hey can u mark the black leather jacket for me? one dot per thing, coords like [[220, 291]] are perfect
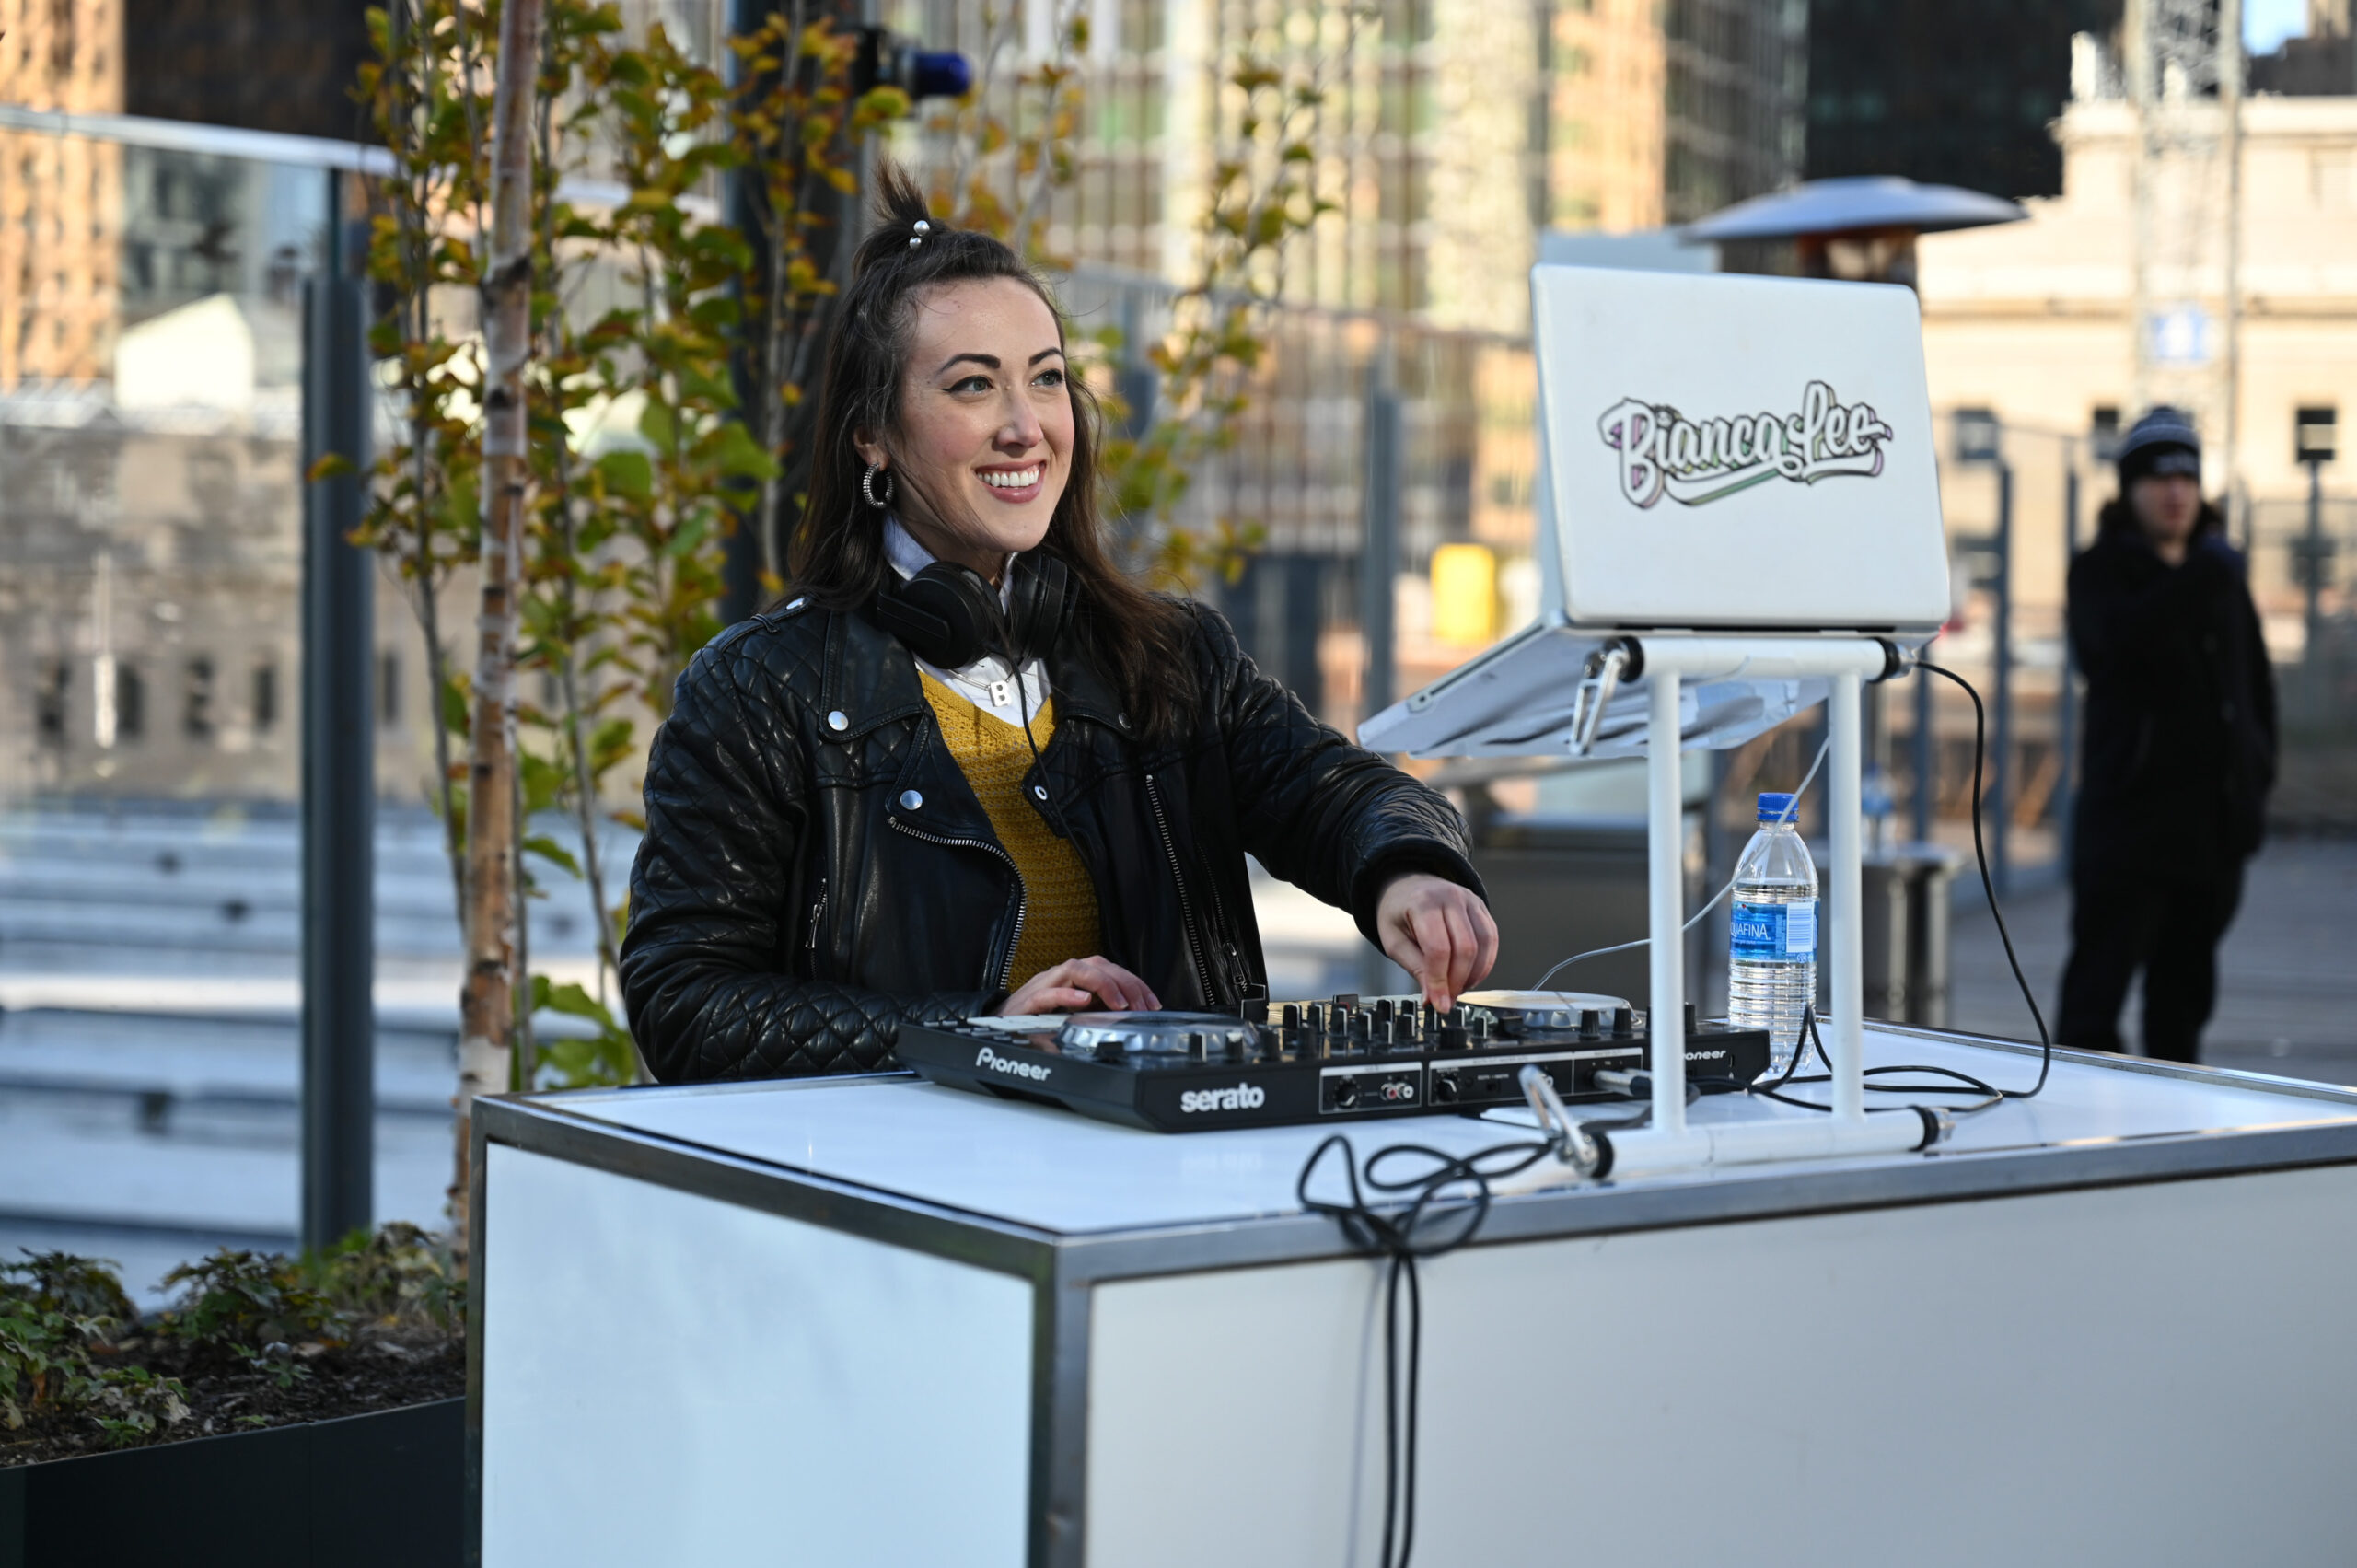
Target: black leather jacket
[[816, 869]]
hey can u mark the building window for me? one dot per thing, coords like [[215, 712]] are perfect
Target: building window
[[265, 694], [196, 700], [129, 702], [2315, 435], [49, 702], [1979, 436], [389, 687], [2103, 431]]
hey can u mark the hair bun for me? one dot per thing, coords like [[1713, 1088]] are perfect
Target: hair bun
[[903, 224]]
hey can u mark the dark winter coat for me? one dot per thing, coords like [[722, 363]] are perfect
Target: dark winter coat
[[2181, 717], [816, 869]]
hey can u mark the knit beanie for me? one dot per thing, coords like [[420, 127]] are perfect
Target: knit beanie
[[2163, 442]]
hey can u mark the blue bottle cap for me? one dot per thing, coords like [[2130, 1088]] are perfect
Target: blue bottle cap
[[1774, 804]]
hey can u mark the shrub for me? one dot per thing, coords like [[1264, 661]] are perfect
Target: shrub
[[59, 1316]]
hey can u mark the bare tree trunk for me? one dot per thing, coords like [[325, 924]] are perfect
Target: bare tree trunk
[[487, 1002]]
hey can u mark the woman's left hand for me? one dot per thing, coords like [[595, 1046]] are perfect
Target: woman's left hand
[[1438, 931]]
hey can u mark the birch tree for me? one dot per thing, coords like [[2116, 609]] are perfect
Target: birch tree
[[487, 998]]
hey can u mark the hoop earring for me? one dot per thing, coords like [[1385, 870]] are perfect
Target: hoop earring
[[867, 486]]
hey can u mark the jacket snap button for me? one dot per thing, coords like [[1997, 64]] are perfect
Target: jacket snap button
[[911, 800], [836, 720], [1039, 792]]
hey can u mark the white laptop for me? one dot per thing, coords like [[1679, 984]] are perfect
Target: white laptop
[[1719, 453], [1738, 452]]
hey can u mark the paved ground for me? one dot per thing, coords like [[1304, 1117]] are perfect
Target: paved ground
[[2288, 973]]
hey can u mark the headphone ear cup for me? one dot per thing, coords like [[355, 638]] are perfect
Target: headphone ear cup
[[1039, 603], [945, 614]]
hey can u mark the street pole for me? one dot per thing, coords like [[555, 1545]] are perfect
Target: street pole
[[1378, 569], [743, 551], [2230, 105], [2066, 698], [2312, 590], [2142, 89], [1927, 783], [339, 762], [1997, 803], [1379, 561]]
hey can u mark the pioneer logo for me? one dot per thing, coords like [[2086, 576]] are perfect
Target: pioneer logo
[[1695, 460], [990, 1058], [1244, 1096]]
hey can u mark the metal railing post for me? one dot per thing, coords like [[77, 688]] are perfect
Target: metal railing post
[[1926, 761], [2312, 590], [1380, 558], [1997, 803], [339, 757]]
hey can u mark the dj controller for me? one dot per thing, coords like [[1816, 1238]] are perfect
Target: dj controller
[[1347, 1059]]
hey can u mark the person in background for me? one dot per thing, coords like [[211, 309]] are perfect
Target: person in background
[[2179, 752]]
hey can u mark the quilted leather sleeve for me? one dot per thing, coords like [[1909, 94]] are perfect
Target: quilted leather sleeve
[[708, 896], [1329, 817]]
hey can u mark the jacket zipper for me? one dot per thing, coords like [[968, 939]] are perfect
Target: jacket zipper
[[1185, 909], [1231, 956], [810, 942], [1022, 897]]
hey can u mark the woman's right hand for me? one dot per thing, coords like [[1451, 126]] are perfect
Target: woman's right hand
[[1078, 985]]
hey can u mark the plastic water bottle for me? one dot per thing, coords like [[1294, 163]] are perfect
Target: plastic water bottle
[[1771, 959]]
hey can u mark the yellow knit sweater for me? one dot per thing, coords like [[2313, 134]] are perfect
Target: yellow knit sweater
[[1059, 902]]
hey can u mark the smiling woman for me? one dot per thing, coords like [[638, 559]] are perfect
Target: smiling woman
[[968, 766]]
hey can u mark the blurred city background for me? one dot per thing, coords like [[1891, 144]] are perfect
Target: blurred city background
[[172, 171]]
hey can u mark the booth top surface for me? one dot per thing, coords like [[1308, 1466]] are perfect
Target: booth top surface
[[1060, 1173]]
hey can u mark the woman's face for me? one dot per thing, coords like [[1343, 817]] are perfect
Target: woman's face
[[986, 423]]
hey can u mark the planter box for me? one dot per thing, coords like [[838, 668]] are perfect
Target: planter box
[[364, 1490]]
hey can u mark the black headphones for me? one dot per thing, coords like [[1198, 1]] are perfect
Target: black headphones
[[948, 616]]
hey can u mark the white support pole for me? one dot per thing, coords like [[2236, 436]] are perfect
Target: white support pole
[[1666, 864], [1669, 1142], [1843, 942]]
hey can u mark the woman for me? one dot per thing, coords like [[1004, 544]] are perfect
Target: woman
[[968, 767], [2180, 748]]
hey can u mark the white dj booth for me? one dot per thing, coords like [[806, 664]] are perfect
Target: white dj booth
[[852, 1323], [873, 1320]]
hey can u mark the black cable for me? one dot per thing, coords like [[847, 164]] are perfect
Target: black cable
[[1981, 853], [1402, 1238], [1811, 1036]]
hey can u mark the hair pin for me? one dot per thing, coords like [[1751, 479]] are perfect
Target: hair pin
[[922, 228]]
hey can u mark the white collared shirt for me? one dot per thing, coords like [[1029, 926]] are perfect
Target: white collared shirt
[[989, 683]]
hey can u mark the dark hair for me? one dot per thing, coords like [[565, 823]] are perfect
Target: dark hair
[[1139, 639]]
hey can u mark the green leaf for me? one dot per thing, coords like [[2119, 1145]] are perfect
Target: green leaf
[[690, 534], [628, 473], [573, 1002], [543, 782], [656, 423], [714, 388], [548, 849], [740, 456], [610, 743], [456, 717]]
